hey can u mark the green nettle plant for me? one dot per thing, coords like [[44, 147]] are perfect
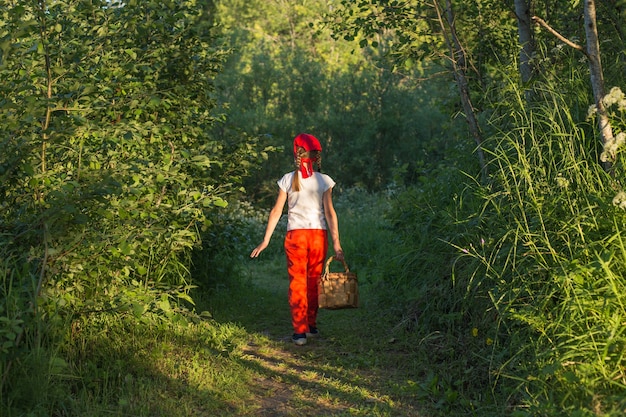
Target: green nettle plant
[[107, 172]]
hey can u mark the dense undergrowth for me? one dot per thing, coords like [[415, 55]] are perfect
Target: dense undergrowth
[[504, 297], [523, 277]]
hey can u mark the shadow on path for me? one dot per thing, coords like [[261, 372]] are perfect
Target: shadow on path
[[342, 372]]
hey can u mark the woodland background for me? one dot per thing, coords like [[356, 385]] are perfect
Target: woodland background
[[141, 142]]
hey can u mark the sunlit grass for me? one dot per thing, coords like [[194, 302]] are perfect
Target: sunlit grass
[[241, 361], [552, 264], [146, 369], [421, 343]]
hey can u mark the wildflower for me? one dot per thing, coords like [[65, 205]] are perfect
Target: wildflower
[[620, 139], [612, 146], [615, 96], [620, 200], [561, 181], [557, 49], [475, 332], [489, 341]]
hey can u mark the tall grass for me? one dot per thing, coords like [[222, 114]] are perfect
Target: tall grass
[[444, 317], [112, 363], [116, 361], [29, 372], [555, 261], [521, 282]]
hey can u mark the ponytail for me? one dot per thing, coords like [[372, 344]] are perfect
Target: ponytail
[[301, 153], [295, 183]]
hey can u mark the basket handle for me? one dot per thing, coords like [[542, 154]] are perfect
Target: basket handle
[[330, 259]]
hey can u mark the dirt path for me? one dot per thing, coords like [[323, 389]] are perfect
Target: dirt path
[[312, 381], [353, 368]]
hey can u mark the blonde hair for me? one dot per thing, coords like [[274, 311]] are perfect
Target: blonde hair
[[301, 153]]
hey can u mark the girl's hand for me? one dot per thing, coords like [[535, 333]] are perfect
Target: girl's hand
[[256, 251], [339, 255]]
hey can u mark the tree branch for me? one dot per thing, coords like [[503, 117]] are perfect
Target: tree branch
[[560, 37]]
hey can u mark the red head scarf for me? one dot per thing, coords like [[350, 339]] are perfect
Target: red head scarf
[[309, 143]]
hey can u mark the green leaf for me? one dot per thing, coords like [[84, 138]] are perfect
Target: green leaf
[[164, 304], [125, 248], [57, 365], [131, 53], [220, 202], [138, 309], [201, 160], [186, 297]]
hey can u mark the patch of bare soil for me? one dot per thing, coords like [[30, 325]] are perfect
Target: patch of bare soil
[[285, 385], [303, 381]]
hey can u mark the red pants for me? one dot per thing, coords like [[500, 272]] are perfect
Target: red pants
[[306, 252]]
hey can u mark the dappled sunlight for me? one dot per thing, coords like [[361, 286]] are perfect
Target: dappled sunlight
[[307, 379], [141, 147], [210, 368], [338, 372]]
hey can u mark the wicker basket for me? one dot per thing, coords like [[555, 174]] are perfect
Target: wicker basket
[[338, 290]]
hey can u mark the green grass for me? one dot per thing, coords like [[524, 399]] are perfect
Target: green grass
[[340, 373], [359, 365], [474, 302], [238, 363]]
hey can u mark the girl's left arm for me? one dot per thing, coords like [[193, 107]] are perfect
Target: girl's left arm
[[274, 217], [333, 223]]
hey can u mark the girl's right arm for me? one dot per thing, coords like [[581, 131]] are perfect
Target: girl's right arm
[[272, 221], [333, 224]]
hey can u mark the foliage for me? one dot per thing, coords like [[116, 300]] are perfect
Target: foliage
[[118, 163], [412, 33], [288, 75], [226, 246], [108, 172], [447, 280], [108, 166], [555, 267], [530, 265]]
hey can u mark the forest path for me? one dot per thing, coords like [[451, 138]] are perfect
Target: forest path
[[352, 368]]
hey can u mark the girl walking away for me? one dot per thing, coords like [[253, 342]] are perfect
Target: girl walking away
[[310, 217]]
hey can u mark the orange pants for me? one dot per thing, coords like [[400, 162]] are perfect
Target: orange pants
[[306, 252]]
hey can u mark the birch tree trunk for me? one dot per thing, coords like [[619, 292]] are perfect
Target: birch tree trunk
[[595, 69], [526, 41], [592, 52]]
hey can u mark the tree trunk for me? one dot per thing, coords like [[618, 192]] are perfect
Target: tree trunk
[[595, 69], [458, 59], [526, 41], [592, 51]]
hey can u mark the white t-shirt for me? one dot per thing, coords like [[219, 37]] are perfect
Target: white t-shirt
[[306, 207]]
